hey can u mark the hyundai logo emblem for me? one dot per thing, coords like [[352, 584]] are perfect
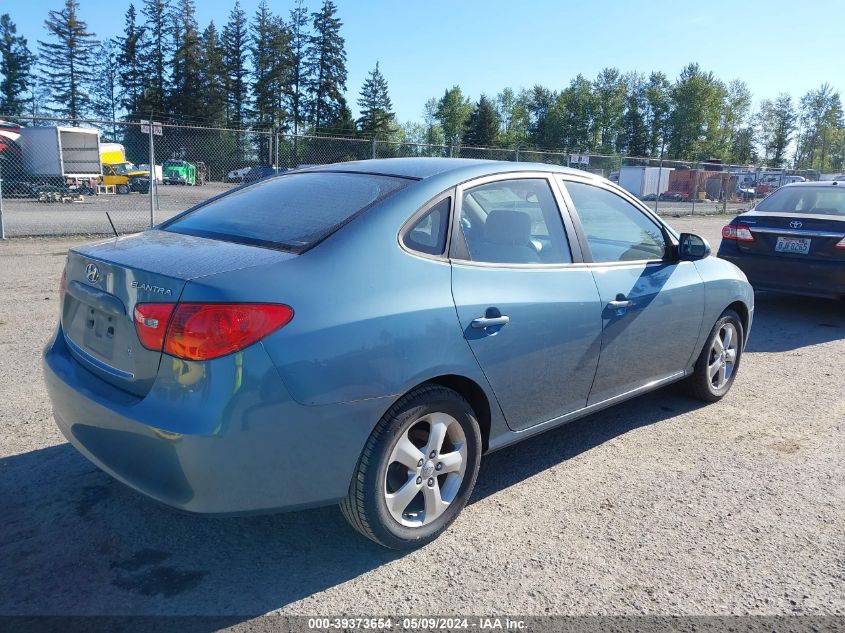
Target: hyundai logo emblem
[[796, 224], [92, 273]]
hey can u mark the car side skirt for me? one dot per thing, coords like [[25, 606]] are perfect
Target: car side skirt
[[506, 439]]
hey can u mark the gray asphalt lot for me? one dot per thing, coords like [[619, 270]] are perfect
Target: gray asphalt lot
[[661, 505]]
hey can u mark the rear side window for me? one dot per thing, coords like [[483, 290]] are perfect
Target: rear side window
[[514, 222], [824, 200], [428, 234], [290, 212]]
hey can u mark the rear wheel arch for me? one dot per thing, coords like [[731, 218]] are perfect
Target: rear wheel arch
[[472, 392]]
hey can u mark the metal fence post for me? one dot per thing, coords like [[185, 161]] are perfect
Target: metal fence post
[[2, 219], [374, 147], [152, 175], [276, 136], [694, 193], [451, 150], [516, 158]]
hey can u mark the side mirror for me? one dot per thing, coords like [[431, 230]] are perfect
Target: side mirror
[[692, 247]]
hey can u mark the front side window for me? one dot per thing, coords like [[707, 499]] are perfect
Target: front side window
[[513, 222], [616, 230], [428, 234], [290, 212]]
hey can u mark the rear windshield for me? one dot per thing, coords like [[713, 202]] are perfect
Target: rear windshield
[[289, 212], [824, 200]]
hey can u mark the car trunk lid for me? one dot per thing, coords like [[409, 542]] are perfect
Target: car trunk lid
[[105, 281], [802, 236]]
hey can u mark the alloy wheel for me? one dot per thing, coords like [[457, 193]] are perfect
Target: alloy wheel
[[425, 469], [723, 355]]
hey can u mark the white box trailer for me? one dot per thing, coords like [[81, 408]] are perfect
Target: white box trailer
[[61, 152], [644, 181]]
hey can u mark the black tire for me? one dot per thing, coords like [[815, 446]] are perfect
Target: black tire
[[123, 189], [699, 385], [365, 507]]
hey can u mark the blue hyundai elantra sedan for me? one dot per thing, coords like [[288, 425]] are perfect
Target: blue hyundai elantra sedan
[[362, 333]]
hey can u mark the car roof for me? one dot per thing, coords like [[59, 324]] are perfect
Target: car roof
[[816, 183], [422, 168]]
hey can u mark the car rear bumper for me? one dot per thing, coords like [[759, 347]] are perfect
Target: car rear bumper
[[228, 439], [816, 278]]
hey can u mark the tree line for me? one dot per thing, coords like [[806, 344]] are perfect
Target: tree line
[[288, 72]]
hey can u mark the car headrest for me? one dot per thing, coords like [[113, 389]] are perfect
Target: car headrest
[[504, 226]]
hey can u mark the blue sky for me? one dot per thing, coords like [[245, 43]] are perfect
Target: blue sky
[[425, 47]]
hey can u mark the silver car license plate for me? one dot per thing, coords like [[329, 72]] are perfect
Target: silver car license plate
[[799, 245]]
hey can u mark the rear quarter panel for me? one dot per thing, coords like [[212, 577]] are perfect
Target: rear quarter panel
[[370, 319]]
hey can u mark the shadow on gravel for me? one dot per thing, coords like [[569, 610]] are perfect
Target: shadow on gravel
[[787, 322], [516, 463], [74, 542]]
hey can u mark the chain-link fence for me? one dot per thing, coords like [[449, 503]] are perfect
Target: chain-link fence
[[57, 178]]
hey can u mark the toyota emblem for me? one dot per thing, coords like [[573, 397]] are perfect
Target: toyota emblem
[[92, 273], [796, 224]]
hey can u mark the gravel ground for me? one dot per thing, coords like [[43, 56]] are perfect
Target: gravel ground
[[660, 506], [131, 212]]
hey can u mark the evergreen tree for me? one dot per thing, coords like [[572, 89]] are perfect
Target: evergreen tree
[[299, 85], [132, 52], [105, 84], [213, 77], [345, 124], [235, 50], [270, 55], [633, 139], [453, 112], [187, 87], [326, 65], [539, 101], [37, 97], [159, 31], [483, 126], [376, 109], [66, 62], [15, 65]]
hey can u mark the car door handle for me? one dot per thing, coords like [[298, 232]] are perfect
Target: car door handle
[[484, 322], [620, 302]]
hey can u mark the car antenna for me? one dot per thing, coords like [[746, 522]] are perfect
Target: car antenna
[[112, 224]]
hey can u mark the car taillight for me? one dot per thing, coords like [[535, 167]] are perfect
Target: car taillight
[[740, 232], [841, 244], [151, 321], [202, 331]]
